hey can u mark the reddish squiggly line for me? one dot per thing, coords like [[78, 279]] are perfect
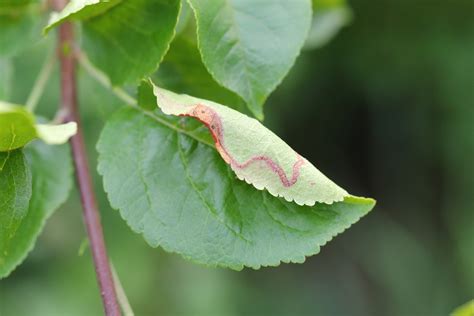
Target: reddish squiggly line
[[213, 122]]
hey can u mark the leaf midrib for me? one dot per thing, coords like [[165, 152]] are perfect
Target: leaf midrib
[[242, 52], [207, 205], [174, 127]]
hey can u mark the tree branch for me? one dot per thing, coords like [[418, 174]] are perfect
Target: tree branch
[[69, 107]]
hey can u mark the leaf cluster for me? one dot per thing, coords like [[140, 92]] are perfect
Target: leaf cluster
[[193, 176]]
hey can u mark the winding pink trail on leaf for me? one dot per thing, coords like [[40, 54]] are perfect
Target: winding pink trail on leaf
[[213, 122]]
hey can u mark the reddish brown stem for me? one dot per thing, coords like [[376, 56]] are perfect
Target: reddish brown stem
[[69, 107]]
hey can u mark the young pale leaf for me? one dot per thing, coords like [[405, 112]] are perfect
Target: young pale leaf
[[254, 153], [125, 39], [15, 194], [176, 191], [56, 134], [249, 46], [17, 128], [51, 169]]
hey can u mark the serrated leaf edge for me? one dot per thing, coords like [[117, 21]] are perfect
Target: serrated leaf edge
[[258, 114], [238, 267]]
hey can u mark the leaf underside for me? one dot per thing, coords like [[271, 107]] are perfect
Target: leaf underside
[[179, 194], [79, 9], [254, 153]]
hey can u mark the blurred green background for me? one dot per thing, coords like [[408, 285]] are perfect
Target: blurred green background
[[385, 109]]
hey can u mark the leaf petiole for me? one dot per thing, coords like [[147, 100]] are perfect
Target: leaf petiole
[[41, 80], [102, 78], [124, 96], [121, 296]]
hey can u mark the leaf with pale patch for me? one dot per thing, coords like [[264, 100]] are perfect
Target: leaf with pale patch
[[18, 127], [254, 153], [171, 186]]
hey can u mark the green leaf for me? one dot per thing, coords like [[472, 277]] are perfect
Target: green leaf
[[464, 310], [329, 17], [249, 46], [18, 127], [51, 169], [145, 96], [79, 10], [125, 39], [129, 51], [178, 193], [15, 194], [19, 24], [254, 153], [183, 71]]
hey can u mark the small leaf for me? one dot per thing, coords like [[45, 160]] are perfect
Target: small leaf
[[329, 17], [51, 169], [56, 134], [17, 128], [249, 46], [125, 39], [15, 194], [254, 153], [464, 310], [176, 191], [182, 71]]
